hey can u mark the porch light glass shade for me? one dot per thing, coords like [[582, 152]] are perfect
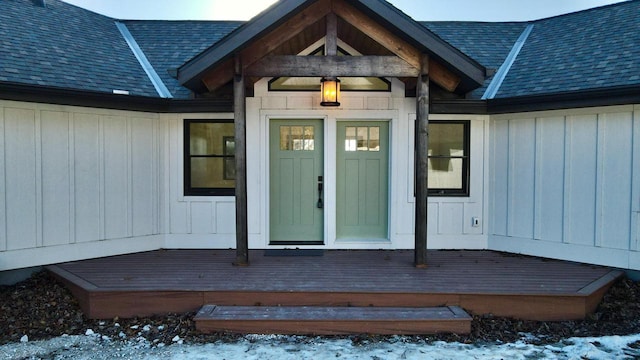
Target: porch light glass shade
[[330, 92]]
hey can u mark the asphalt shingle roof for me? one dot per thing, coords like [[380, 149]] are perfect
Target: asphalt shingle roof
[[487, 43], [591, 49], [64, 46], [169, 44]]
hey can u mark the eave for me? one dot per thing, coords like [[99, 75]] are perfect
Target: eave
[[623, 95], [620, 95], [94, 99]]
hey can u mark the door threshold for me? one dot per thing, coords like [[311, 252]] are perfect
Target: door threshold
[[294, 252], [362, 241], [295, 243]]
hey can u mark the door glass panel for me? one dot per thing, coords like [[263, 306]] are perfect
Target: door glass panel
[[297, 137], [363, 138], [350, 139], [374, 138], [285, 135], [309, 143]]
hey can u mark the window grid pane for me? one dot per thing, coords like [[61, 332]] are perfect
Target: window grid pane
[[448, 158], [209, 157], [297, 138]]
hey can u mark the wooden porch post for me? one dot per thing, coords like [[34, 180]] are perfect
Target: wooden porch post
[[240, 122], [421, 171]]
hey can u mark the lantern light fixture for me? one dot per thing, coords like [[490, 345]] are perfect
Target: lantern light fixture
[[330, 91]]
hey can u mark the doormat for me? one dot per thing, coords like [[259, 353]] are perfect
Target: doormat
[[294, 252]]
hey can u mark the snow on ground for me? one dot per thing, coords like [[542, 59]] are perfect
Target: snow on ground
[[266, 347]]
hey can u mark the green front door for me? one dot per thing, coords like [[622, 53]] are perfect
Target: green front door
[[362, 180], [296, 169]]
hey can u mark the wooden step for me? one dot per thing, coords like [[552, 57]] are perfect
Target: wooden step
[[307, 320]]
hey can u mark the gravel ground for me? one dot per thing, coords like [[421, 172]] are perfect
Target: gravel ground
[[40, 308]]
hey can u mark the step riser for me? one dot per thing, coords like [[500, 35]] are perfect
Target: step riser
[[335, 327], [300, 320]]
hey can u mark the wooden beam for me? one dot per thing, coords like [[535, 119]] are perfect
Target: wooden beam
[[219, 76], [268, 43], [255, 54], [437, 72], [443, 77], [288, 30], [378, 33], [331, 39], [422, 169], [291, 65], [240, 121]]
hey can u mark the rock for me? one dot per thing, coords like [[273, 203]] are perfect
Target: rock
[[24, 339]]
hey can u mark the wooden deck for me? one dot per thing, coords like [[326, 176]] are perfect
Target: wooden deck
[[481, 282]]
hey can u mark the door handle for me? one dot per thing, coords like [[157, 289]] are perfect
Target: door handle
[[320, 204]]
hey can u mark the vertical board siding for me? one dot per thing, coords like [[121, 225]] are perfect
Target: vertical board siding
[[3, 192], [521, 177], [87, 177], [116, 173], [583, 167], [71, 175], [615, 184], [635, 191], [500, 179], [142, 178], [433, 213], [20, 178], [580, 185], [550, 166], [56, 198]]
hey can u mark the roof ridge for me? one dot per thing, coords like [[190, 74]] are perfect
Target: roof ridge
[[597, 8], [182, 21]]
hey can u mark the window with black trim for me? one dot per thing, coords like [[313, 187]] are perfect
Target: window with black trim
[[449, 158], [209, 157]]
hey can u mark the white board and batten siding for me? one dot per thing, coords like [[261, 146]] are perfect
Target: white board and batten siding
[[566, 184], [76, 183], [450, 223], [200, 222]]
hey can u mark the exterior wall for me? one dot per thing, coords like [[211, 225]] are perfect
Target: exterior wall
[[194, 221], [79, 182], [76, 183], [450, 223], [566, 184], [209, 222]]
